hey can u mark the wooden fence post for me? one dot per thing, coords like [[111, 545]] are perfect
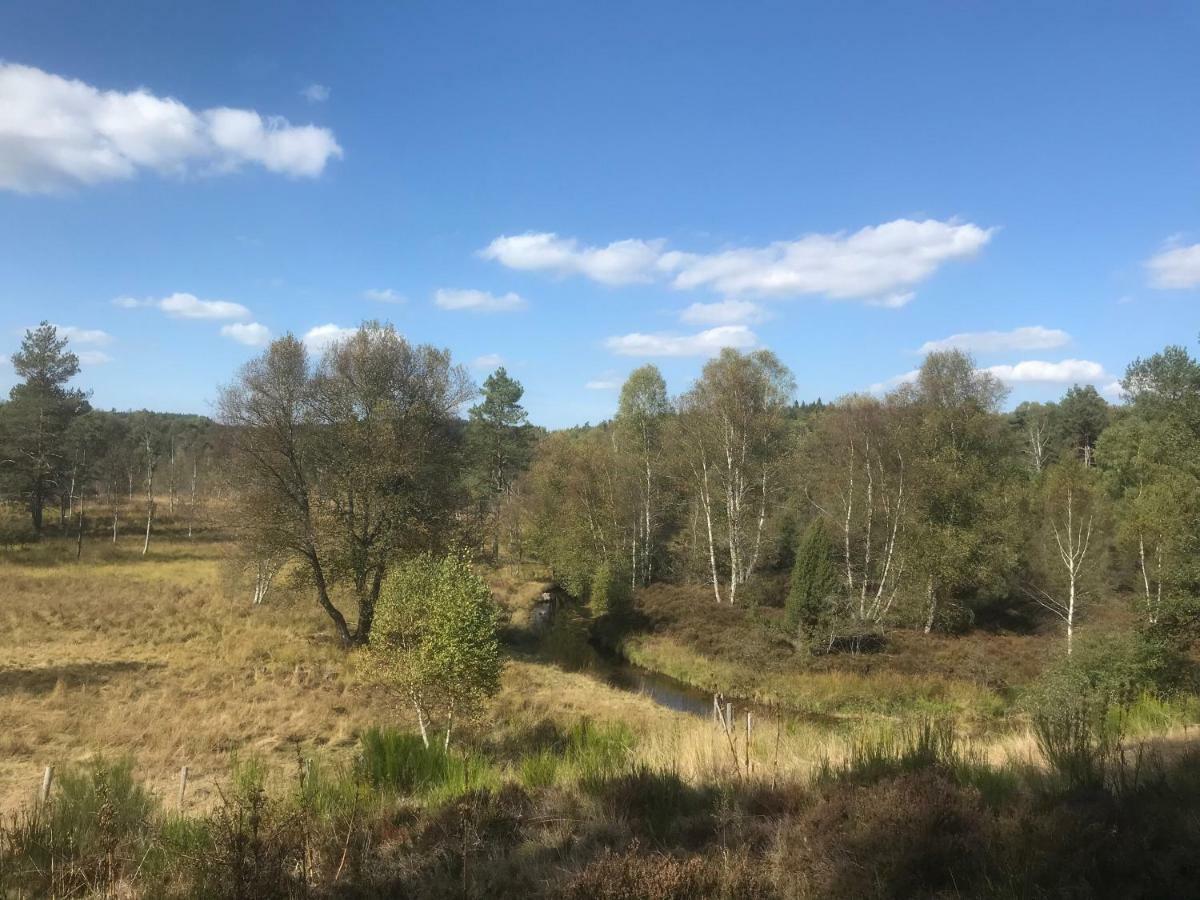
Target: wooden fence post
[[183, 780], [47, 780]]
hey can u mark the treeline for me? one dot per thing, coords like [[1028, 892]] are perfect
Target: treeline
[[927, 507], [74, 468]]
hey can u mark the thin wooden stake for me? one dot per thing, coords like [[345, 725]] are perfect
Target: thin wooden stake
[[747, 743], [183, 780], [47, 780]]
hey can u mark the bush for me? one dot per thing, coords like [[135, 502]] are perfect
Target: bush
[[610, 592], [815, 582]]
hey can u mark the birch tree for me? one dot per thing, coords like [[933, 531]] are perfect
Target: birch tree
[[348, 465], [734, 420], [1070, 502], [436, 641], [853, 471], [641, 415], [961, 496]]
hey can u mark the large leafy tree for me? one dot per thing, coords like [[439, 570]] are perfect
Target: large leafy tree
[[35, 420], [734, 423], [499, 437], [961, 502], [641, 417], [1151, 459], [348, 465]]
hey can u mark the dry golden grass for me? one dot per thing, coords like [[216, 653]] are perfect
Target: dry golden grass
[[164, 659]]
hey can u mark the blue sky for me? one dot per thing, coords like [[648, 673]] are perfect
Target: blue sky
[[576, 190]]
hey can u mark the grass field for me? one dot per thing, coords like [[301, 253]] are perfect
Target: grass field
[[161, 661]]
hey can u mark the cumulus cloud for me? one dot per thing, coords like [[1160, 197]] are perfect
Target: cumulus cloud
[[384, 295], [320, 337], [57, 132], [879, 264], [704, 343], [487, 361], [1068, 371], [723, 312], [477, 301], [1176, 268], [1032, 337], [188, 306], [1030, 371], [315, 93], [78, 335], [93, 357], [621, 262], [252, 334]]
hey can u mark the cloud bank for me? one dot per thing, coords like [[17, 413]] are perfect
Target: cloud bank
[[57, 133], [879, 264]]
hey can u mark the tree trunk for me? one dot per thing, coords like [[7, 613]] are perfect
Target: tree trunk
[[932, 607], [339, 621], [79, 531]]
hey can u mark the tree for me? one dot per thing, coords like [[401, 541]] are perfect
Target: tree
[[1035, 423], [816, 582], [1151, 462], [734, 421], [641, 414], [40, 409], [854, 475], [1070, 506], [350, 465], [1082, 414], [498, 437], [435, 640], [959, 510]]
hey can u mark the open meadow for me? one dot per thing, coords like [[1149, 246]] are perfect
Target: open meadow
[[119, 669]]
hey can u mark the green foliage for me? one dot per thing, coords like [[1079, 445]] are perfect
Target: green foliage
[[815, 582], [609, 592], [436, 639], [1080, 707]]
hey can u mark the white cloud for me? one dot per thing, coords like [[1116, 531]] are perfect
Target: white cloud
[[621, 262], [603, 384], [1114, 390], [879, 264], [321, 337], [1068, 371], [1175, 268], [315, 93], [1032, 337], [252, 334], [723, 312], [477, 301], [487, 361], [56, 133], [882, 387], [188, 306], [384, 295], [84, 335], [704, 343], [93, 357]]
